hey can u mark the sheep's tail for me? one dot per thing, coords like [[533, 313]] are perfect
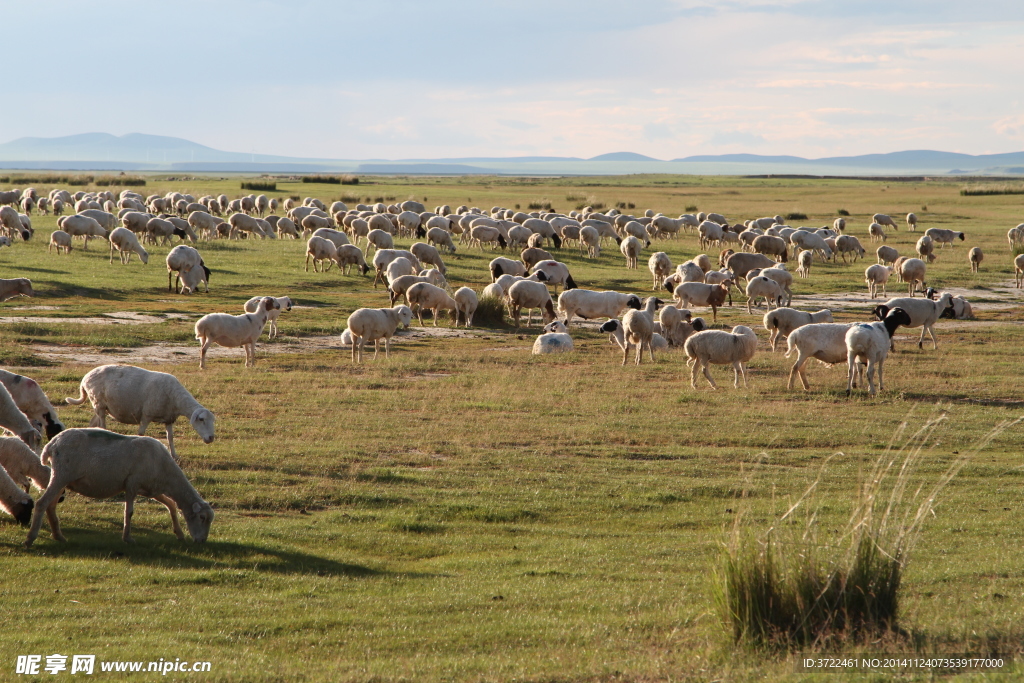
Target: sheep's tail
[[81, 397], [772, 322], [789, 348]]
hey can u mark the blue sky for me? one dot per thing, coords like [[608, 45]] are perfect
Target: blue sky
[[451, 78]]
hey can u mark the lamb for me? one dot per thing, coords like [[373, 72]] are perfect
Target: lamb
[[876, 275], [126, 243], [428, 255], [506, 266], [554, 340], [232, 331], [30, 399], [322, 251], [284, 303], [804, 260], [911, 222], [925, 248], [943, 237], [912, 271], [468, 303], [136, 396], [530, 295], [974, 257], [589, 304], [16, 422], [761, 286], [782, 322], [638, 329], [1018, 270], [631, 248], [61, 240], [101, 464], [374, 324], [960, 309], [22, 465], [922, 313], [887, 255], [734, 348], [557, 273], [424, 295], [188, 266], [883, 219], [823, 341], [876, 232], [869, 343], [700, 294], [660, 266]]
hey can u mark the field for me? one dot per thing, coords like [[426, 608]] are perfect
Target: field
[[465, 511]]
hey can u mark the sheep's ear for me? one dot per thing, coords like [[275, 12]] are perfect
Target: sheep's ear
[[196, 507]]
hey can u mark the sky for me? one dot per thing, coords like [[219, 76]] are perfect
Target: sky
[[395, 79]]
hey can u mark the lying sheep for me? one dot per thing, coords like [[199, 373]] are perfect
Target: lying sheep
[[942, 237], [374, 324], [734, 348], [126, 243], [869, 343], [22, 464], [922, 313], [554, 340], [760, 286], [61, 240], [284, 303], [782, 322], [468, 302], [588, 304], [424, 295], [975, 257], [232, 331], [101, 464], [824, 341], [876, 275], [30, 399]]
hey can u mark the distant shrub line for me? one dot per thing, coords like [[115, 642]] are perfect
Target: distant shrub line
[[75, 180], [331, 179], [986, 191], [259, 186]]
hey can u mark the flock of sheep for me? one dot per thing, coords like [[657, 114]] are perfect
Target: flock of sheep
[[99, 463]]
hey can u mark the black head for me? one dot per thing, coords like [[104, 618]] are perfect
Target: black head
[[558, 241], [961, 235], [501, 241], [569, 282], [880, 311], [931, 293], [22, 512], [618, 241], [180, 233], [207, 272], [948, 312], [25, 235], [542, 276], [496, 271], [610, 326], [420, 232], [668, 285], [634, 302], [365, 268], [699, 325], [52, 428], [898, 316]]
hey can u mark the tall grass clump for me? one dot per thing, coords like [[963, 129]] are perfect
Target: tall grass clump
[[788, 586], [120, 181], [490, 312], [796, 216], [843, 212], [539, 204], [691, 208], [982, 190], [259, 186]]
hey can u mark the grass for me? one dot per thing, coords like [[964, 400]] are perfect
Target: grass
[[990, 191], [259, 186], [466, 511]]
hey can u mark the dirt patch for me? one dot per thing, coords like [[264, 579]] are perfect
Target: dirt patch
[[116, 318], [36, 308]]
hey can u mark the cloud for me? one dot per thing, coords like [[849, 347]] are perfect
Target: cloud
[[737, 137], [657, 131], [1010, 126], [518, 125]]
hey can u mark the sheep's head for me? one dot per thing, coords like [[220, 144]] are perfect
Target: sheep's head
[[21, 510], [634, 301], [198, 518], [880, 311], [202, 421], [610, 326]]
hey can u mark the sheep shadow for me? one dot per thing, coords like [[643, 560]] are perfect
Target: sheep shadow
[[32, 269]]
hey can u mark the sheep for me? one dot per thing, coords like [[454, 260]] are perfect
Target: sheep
[[813, 242], [81, 226], [13, 500], [782, 276], [22, 464], [15, 421], [502, 266], [285, 226], [554, 340], [741, 264], [660, 266], [591, 239], [468, 303], [772, 246], [241, 222], [823, 341], [1015, 235], [534, 255], [638, 329], [615, 329], [374, 324], [974, 257], [188, 266], [719, 347], [960, 309], [701, 294], [925, 248], [839, 224], [336, 236], [887, 255], [232, 331], [397, 268], [911, 222], [876, 232], [162, 229], [61, 240], [710, 233], [782, 322], [1018, 270], [762, 286], [882, 219], [30, 399], [126, 243], [479, 234], [589, 304], [101, 464], [943, 237], [631, 248], [557, 273], [379, 239], [204, 223], [439, 237], [804, 260], [322, 251], [923, 313], [848, 244], [19, 286], [869, 343], [677, 325], [400, 285], [284, 303], [348, 255], [383, 258], [876, 275], [135, 396], [912, 271], [530, 295], [424, 295]]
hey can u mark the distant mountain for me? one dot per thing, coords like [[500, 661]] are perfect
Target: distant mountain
[[922, 159], [622, 156]]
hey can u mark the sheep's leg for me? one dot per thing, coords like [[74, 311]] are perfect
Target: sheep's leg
[[650, 350], [850, 370], [173, 509], [772, 338], [436, 312], [47, 504], [707, 373], [99, 418], [387, 347], [736, 375], [202, 352], [307, 263], [881, 384], [625, 352], [376, 348], [931, 333], [129, 510], [920, 342], [871, 377], [142, 427], [169, 430]]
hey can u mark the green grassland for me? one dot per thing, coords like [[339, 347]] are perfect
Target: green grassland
[[465, 511]]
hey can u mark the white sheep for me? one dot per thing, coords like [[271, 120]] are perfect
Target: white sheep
[[883, 219], [59, 239], [428, 255], [16, 502], [782, 322], [468, 303], [383, 258], [975, 257], [30, 399], [284, 303], [760, 286], [638, 329], [187, 265], [588, 304], [876, 232], [424, 295], [848, 244], [700, 294], [912, 271], [530, 295], [631, 248], [81, 226], [506, 266], [718, 347], [126, 243], [233, 331], [397, 268], [876, 275], [336, 236], [677, 325], [1018, 270], [660, 266], [942, 237], [804, 260], [22, 464], [911, 222], [554, 340], [101, 464], [374, 324], [887, 255], [16, 422], [322, 251], [922, 313], [925, 248], [591, 239], [824, 341], [439, 237], [869, 343]]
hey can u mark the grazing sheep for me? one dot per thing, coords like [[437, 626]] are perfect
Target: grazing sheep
[[400, 285], [771, 246], [101, 464], [734, 348], [700, 294], [589, 304], [233, 331], [883, 219], [379, 239], [349, 255], [710, 233], [136, 396], [824, 341], [530, 295], [1018, 270], [531, 256], [397, 268], [804, 260], [974, 257], [383, 258], [30, 399], [557, 273], [374, 324], [803, 239], [660, 266], [439, 237], [423, 295], [869, 343], [912, 271], [506, 266], [689, 272], [848, 244], [15, 421], [481, 234], [923, 313], [126, 243], [876, 275], [13, 500], [943, 237], [61, 240], [244, 223], [677, 325], [591, 239], [322, 251], [782, 276], [762, 286], [428, 255], [22, 464], [887, 255], [336, 236], [741, 264], [81, 226], [638, 329], [783, 321], [876, 232], [187, 265], [925, 248], [284, 303], [554, 340], [468, 302], [19, 286], [911, 222]]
